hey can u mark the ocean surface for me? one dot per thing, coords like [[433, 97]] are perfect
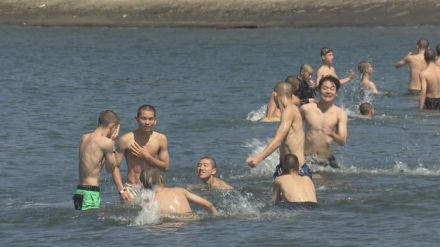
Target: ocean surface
[[210, 88]]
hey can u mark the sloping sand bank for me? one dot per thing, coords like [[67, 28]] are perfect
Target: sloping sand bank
[[220, 13]]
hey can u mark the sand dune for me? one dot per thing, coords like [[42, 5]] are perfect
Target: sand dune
[[220, 13]]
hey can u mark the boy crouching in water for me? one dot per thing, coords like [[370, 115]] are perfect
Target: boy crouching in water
[[172, 200], [291, 187], [206, 170]]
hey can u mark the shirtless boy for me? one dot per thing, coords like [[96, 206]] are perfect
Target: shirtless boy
[[291, 187], [366, 70], [325, 123], [416, 64], [289, 137], [143, 149], [430, 79], [207, 169], [95, 151], [273, 113], [327, 68], [172, 200], [367, 110]]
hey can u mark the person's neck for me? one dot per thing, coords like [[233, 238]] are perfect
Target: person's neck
[[143, 133], [324, 106], [329, 65], [210, 181], [365, 77], [421, 51], [102, 131]]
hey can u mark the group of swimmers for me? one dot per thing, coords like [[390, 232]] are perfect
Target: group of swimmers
[[292, 102]]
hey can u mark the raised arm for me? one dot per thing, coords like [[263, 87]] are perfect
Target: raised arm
[[200, 201], [350, 77], [422, 97]]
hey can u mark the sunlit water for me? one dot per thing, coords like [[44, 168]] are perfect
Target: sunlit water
[[210, 88]]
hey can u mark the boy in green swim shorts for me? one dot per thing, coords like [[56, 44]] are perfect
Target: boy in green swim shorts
[[96, 150]]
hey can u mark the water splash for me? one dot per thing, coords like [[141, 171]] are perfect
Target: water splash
[[150, 212], [267, 166], [257, 115]]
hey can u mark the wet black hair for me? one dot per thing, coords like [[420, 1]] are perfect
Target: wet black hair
[[430, 56], [146, 108], [107, 117], [325, 51], [423, 44], [437, 49], [290, 163], [330, 78], [365, 108]]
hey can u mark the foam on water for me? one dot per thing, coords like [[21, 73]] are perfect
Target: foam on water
[[257, 115], [267, 166], [150, 209]]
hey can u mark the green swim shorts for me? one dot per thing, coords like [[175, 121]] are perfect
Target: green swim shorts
[[86, 197]]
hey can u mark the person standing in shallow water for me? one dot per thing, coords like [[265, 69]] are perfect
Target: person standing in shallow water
[[430, 79], [416, 63], [326, 68], [325, 123]]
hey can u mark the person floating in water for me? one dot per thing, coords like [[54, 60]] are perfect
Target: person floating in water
[[207, 170], [289, 137], [430, 79], [325, 123], [143, 148], [327, 68], [172, 200], [367, 84], [96, 150], [367, 110], [291, 187], [273, 113], [416, 63]]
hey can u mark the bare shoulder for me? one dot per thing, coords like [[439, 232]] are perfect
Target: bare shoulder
[[128, 137], [160, 136]]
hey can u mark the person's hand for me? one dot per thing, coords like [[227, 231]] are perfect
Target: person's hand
[[125, 196], [139, 151], [252, 161], [115, 133]]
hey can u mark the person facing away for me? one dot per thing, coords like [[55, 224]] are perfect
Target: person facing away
[[326, 68], [366, 71], [143, 148], [289, 137], [95, 152], [174, 200], [306, 92], [325, 123], [430, 79], [207, 170], [291, 187], [416, 63], [273, 113], [367, 110]]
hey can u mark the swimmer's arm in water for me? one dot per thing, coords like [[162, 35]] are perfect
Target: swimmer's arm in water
[[422, 97], [200, 201], [276, 192], [283, 129], [162, 161], [340, 136], [350, 77]]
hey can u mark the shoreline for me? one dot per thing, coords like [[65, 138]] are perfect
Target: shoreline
[[224, 14]]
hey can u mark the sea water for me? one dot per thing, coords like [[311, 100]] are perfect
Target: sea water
[[210, 88]]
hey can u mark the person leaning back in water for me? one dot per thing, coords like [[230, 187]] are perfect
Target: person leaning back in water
[[95, 152], [325, 123], [416, 63], [430, 79], [207, 170], [172, 200], [291, 187], [143, 148], [273, 113], [326, 68]]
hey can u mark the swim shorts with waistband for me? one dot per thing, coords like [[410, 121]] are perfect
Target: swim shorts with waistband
[[303, 171], [86, 197], [432, 103]]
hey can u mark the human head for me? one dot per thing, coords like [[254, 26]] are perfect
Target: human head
[[290, 163], [306, 72], [430, 56], [328, 87], [365, 67], [151, 178], [293, 80], [366, 109], [146, 117], [206, 168], [327, 55], [422, 44], [283, 93], [108, 119]]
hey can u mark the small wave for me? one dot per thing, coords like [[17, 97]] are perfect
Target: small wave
[[267, 166], [257, 115]]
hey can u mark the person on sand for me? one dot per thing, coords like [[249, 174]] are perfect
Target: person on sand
[[291, 187], [289, 137], [327, 68], [416, 63], [95, 152], [367, 84], [430, 79], [143, 148], [273, 113], [325, 123], [206, 170], [172, 200], [367, 110]]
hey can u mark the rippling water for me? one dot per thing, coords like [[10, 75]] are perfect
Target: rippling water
[[209, 87]]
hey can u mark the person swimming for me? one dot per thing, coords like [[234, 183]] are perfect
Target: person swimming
[[207, 170], [366, 109]]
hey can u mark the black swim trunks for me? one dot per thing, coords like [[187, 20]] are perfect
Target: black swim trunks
[[296, 205], [303, 171], [432, 103], [330, 162]]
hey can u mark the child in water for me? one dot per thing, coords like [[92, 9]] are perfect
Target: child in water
[[206, 170]]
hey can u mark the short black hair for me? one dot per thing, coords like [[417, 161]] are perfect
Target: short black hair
[[290, 163], [108, 117], [325, 51], [365, 108], [423, 44], [430, 56], [209, 158], [146, 107], [437, 49], [330, 78], [294, 81]]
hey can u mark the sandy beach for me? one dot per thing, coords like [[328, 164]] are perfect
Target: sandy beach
[[220, 14]]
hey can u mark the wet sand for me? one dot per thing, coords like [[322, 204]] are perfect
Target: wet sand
[[220, 14]]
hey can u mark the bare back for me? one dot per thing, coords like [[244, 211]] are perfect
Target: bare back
[[416, 65], [172, 201], [293, 143], [294, 188], [432, 77]]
